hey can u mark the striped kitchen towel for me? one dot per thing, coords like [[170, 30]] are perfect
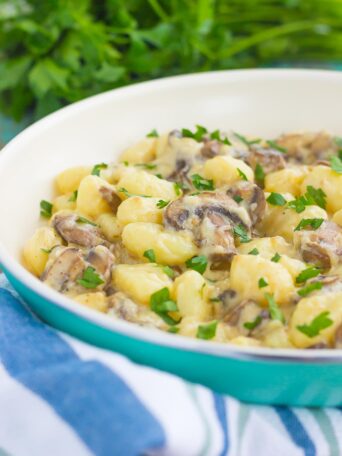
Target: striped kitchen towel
[[61, 397]]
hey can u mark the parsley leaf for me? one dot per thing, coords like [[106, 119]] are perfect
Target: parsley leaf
[[150, 255], [97, 168], [146, 165], [217, 135], [276, 199], [197, 135], [275, 312], [276, 146], [259, 173], [178, 188], [310, 288], [90, 278], [161, 204], [250, 325], [237, 198], [152, 134], [244, 140], [254, 251], [168, 271], [197, 263], [312, 196], [128, 194], [336, 164], [73, 197], [308, 273], [322, 321], [207, 331], [81, 219], [46, 208], [47, 251], [161, 304], [315, 223], [241, 233], [242, 174], [262, 283], [276, 257], [202, 184]]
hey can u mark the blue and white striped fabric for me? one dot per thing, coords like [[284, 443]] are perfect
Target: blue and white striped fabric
[[61, 397]]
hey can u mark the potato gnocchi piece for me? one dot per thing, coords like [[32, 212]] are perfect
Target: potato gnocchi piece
[[243, 341], [110, 226], [275, 335], [170, 248], [311, 307], [141, 152], [139, 209], [140, 281], [288, 180], [92, 198], [64, 202], [268, 247], [225, 170], [96, 301], [247, 270], [191, 293], [189, 327], [69, 180], [34, 256], [329, 181]]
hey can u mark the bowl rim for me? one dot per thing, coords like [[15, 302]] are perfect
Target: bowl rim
[[132, 330]]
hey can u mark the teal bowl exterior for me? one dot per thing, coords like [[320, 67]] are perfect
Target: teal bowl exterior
[[250, 378]]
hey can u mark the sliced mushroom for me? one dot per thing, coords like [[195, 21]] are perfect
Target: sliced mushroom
[[73, 229], [102, 260], [111, 197], [253, 199], [338, 337], [180, 173], [123, 308], [322, 247], [211, 148], [63, 270], [308, 147], [270, 159], [211, 216]]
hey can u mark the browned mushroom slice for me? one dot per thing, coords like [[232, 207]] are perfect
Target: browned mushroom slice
[[308, 147], [111, 197], [338, 337], [125, 309], [322, 247], [76, 230], [211, 148], [180, 172], [270, 159], [102, 260], [253, 199], [62, 271]]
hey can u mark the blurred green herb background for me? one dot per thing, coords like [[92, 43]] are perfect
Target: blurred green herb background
[[53, 52]]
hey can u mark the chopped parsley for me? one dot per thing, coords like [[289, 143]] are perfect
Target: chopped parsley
[[146, 165], [81, 219], [237, 198], [276, 146], [178, 188], [97, 168], [202, 184], [247, 142], [126, 163], [161, 304], [259, 173], [315, 223], [47, 251], [312, 196], [197, 263], [275, 312], [46, 208], [241, 233], [242, 174], [207, 331], [254, 251], [161, 204], [276, 199], [73, 196], [197, 135], [128, 194], [308, 273], [262, 283], [217, 135], [276, 257], [159, 176], [173, 330], [150, 255], [90, 278], [250, 325], [152, 134], [322, 321], [336, 164], [310, 288], [168, 271]]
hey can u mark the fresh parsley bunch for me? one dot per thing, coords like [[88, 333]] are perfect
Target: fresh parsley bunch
[[55, 52]]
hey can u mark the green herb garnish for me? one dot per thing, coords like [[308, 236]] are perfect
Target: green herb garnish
[[275, 312], [47, 251], [310, 288], [97, 168], [81, 219], [217, 135], [168, 271], [178, 188], [250, 325], [152, 134], [276, 199], [90, 278], [161, 304], [276, 146], [197, 135], [247, 142], [241, 233], [262, 283], [161, 204], [237, 198], [173, 330], [146, 165], [259, 173], [317, 325], [254, 251], [315, 223], [46, 209], [313, 196], [276, 257], [207, 331], [308, 273], [150, 255], [202, 184], [336, 164], [242, 174], [197, 263], [128, 194], [73, 196]]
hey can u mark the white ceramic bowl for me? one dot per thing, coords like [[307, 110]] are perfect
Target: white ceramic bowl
[[256, 102]]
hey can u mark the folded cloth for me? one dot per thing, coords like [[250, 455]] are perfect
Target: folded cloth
[[61, 397]]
